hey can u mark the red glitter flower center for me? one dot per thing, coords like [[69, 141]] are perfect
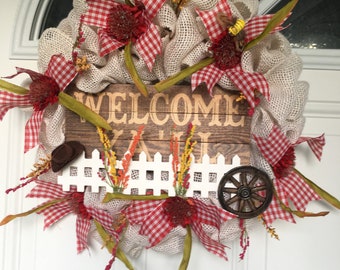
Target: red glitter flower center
[[179, 211], [43, 91], [126, 23], [77, 204], [225, 52], [285, 165]]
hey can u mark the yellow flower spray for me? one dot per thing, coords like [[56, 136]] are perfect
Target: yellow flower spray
[[117, 179], [181, 167]]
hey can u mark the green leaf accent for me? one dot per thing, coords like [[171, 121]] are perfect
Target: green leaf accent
[[132, 70], [10, 87], [187, 250], [162, 85], [300, 214], [129, 3], [83, 111], [114, 196], [275, 21], [110, 245], [122, 257], [42, 207], [322, 193]]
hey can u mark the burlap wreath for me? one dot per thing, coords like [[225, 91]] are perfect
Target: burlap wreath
[[272, 57]]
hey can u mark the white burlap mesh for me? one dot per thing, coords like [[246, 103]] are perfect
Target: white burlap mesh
[[51, 135], [273, 57], [184, 43], [186, 38]]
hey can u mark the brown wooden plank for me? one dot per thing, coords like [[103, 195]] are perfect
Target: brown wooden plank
[[152, 147], [222, 123], [154, 132]]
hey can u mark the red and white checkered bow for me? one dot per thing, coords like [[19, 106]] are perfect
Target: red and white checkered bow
[[60, 72], [148, 44], [247, 82], [65, 203], [276, 144], [291, 187], [155, 224]]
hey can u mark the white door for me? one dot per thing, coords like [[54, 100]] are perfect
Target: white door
[[311, 243]]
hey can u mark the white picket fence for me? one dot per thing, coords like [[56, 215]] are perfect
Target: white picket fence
[[147, 176]]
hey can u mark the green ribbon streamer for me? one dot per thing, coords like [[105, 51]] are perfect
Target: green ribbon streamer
[[110, 245], [42, 207], [114, 196], [300, 214], [132, 70], [79, 108], [67, 101], [186, 250], [10, 87], [275, 21], [162, 85], [322, 193]]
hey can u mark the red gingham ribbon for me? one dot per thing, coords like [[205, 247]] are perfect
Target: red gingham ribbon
[[83, 227], [152, 7], [210, 75], [298, 191], [32, 130], [10, 100], [56, 212], [46, 190], [248, 82], [62, 71], [150, 215], [52, 191], [290, 188], [213, 216], [106, 220], [315, 144], [273, 147], [97, 12], [214, 29], [148, 45], [255, 26], [274, 210], [107, 44], [276, 145]]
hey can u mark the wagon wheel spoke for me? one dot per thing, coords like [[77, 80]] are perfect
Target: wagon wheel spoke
[[253, 180], [241, 205], [258, 197], [230, 190], [234, 181], [232, 200], [259, 188], [252, 191], [243, 179], [251, 205]]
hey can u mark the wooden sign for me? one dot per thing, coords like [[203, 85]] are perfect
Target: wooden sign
[[222, 123]]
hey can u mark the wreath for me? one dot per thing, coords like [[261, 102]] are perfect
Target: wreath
[[160, 43]]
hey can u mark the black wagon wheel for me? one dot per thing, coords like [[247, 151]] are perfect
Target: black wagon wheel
[[245, 191]]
